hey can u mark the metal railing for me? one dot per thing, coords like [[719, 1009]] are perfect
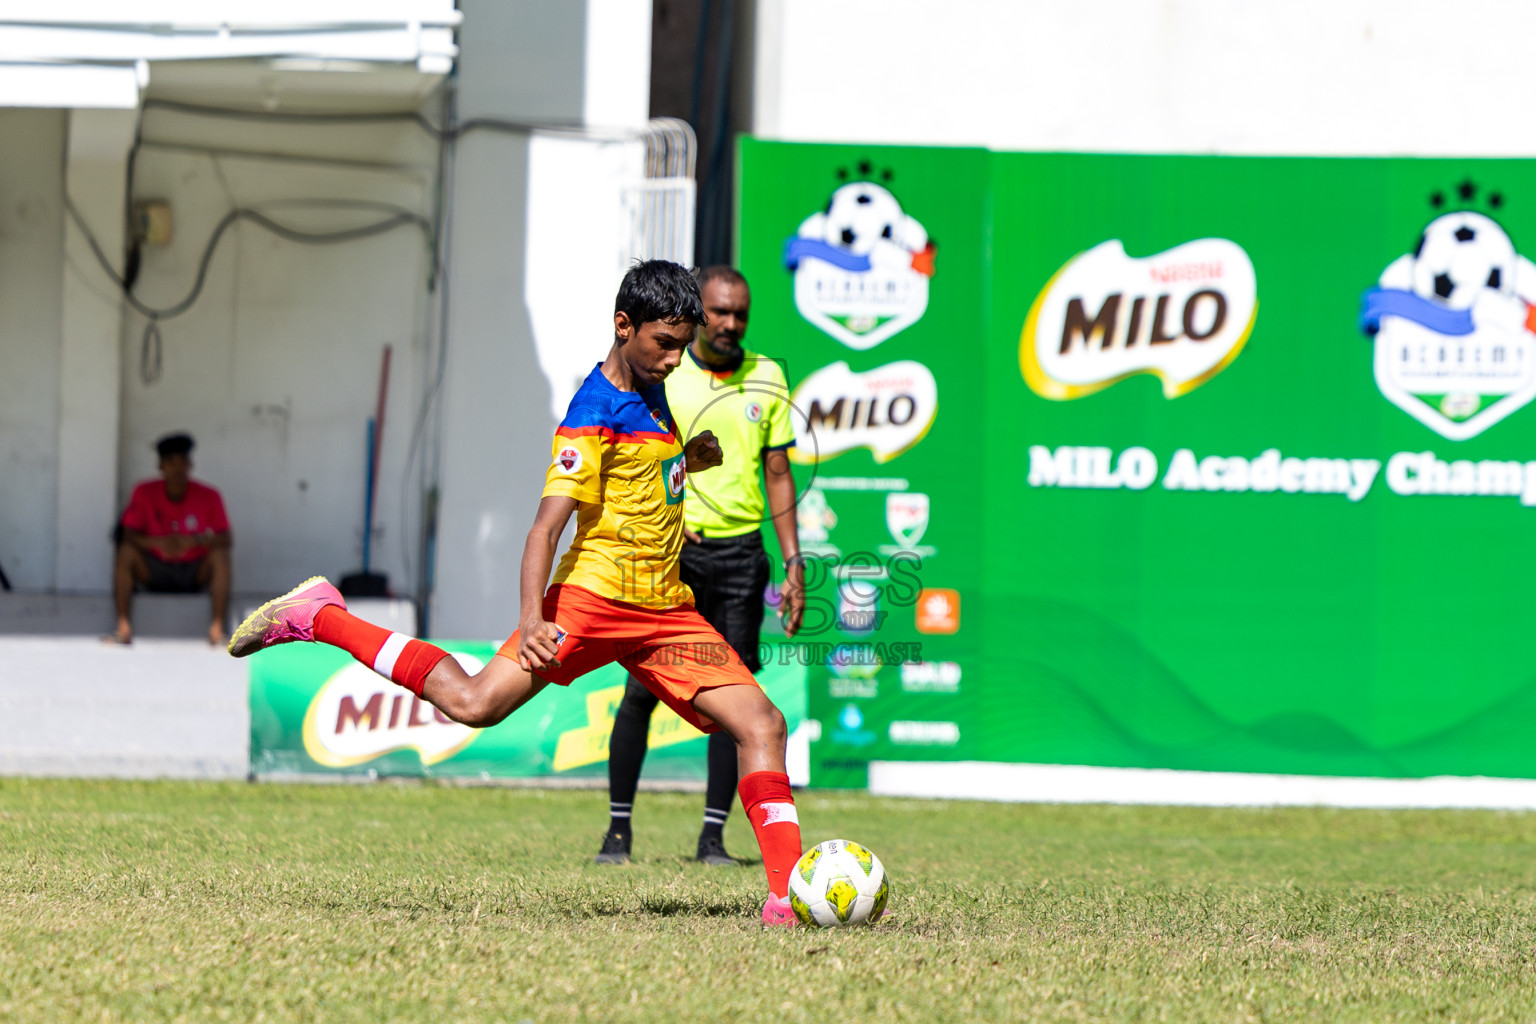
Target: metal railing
[[661, 208]]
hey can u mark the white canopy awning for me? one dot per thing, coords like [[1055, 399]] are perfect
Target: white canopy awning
[[94, 53]]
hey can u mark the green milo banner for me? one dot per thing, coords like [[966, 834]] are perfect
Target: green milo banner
[[1181, 462], [316, 710]]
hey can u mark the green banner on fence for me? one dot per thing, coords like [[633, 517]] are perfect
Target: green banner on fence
[[316, 710], [1187, 462]]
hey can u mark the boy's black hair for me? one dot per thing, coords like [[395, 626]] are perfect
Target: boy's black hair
[[660, 290]]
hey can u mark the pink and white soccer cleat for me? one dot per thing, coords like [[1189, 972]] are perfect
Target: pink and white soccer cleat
[[285, 619], [778, 913]]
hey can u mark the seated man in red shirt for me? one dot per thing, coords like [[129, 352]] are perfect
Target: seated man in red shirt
[[175, 539]]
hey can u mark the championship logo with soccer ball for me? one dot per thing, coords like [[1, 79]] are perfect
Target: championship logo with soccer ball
[[1454, 323], [861, 265]]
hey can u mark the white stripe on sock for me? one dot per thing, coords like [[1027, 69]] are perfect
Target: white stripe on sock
[[384, 664], [780, 814], [714, 817]]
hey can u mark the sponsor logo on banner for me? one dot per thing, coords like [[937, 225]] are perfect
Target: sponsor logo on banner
[[358, 715], [938, 610], [930, 677], [842, 689], [861, 266], [858, 607], [854, 661], [887, 410], [850, 727], [924, 734], [814, 521], [1181, 315], [906, 516], [855, 671], [1453, 325]]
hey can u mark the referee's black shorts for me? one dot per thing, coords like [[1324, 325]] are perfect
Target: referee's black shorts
[[728, 576]]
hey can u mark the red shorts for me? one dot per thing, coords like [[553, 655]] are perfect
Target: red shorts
[[674, 653]]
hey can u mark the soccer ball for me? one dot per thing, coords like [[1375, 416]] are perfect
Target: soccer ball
[[1459, 256], [838, 883]]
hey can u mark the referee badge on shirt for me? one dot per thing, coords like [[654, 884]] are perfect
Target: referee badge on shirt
[[753, 412]]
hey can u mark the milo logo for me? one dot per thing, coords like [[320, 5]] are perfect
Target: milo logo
[[675, 471], [1182, 316]]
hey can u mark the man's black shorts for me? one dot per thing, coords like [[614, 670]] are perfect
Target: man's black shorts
[[172, 577], [728, 576]]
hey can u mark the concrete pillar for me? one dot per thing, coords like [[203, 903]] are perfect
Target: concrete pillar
[[90, 385], [575, 64]]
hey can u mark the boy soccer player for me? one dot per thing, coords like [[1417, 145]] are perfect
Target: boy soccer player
[[616, 596], [743, 399]]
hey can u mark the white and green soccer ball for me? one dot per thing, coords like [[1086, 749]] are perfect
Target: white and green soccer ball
[[838, 883]]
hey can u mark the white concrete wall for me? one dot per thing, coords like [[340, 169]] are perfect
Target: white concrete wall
[[95, 163], [31, 258], [1324, 77], [275, 369]]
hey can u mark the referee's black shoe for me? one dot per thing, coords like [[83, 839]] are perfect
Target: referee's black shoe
[[712, 852], [615, 848]]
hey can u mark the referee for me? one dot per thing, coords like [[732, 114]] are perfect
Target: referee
[[744, 398]]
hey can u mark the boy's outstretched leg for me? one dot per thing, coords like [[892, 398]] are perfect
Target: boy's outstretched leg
[[314, 611], [746, 713]]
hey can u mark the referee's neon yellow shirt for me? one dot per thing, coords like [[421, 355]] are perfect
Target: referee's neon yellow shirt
[[748, 410]]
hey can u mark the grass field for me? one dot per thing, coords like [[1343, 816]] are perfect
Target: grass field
[[178, 901]]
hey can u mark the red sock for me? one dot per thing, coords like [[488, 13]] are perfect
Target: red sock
[[403, 659], [771, 807]]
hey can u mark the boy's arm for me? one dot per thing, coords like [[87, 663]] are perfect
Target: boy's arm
[[537, 646]]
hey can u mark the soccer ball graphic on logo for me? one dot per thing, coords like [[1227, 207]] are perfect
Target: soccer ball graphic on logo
[[838, 883], [861, 215], [1460, 255]]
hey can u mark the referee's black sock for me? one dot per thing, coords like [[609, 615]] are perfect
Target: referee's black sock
[[720, 791], [626, 754], [714, 824]]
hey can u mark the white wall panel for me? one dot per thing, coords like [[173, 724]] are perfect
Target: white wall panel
[[1324, 77], [31, 255]]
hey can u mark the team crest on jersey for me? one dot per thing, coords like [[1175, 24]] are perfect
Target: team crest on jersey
[[753, 412], [861, 265], [569, 460], [661, 421], [1453, 324], [675, 472]]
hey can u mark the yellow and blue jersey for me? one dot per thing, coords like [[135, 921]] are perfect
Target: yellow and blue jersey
[[618, 454]]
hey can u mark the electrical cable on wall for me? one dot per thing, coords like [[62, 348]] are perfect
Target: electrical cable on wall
[[150, 359]]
